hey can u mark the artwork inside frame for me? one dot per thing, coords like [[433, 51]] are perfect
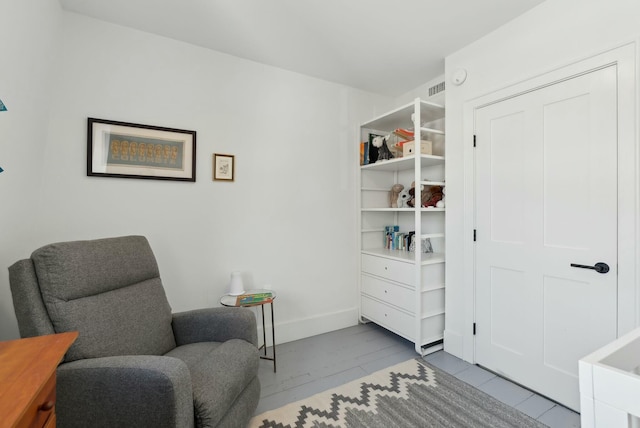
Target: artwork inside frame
[[223, 167], [129, 150]]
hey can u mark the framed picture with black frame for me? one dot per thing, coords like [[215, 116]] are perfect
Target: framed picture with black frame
[[130, 150], [223, 167]]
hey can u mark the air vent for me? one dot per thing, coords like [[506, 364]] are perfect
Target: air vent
[[436, 89]]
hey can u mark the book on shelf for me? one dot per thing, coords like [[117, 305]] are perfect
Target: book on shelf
[[389, 232], [404, 241], [364, 153], [396, 240], [410, 236], [407, 134], [254, 299]]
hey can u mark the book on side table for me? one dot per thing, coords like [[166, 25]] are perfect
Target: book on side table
[[254, 299]]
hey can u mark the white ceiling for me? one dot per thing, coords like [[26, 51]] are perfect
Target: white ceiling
[[383, 46]]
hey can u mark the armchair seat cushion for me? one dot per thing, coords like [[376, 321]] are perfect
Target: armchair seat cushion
[[220, 372]]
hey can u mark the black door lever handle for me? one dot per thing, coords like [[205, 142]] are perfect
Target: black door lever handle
[[599, 267]]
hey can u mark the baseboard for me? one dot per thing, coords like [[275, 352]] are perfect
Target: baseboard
[[306, 327]]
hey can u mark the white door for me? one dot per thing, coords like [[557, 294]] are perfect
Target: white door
[[546, 198]]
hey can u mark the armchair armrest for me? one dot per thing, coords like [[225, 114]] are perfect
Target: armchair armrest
[[135, 390], [215, 325]]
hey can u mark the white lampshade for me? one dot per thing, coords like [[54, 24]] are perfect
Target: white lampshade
[[236, 287]]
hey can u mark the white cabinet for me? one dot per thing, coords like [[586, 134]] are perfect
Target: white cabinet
[[402, 290], [610, 384]]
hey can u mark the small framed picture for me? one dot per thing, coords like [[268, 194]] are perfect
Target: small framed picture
[[223, 167], [130, 150]]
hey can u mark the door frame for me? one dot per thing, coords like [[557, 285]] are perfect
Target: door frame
[[624, 57]]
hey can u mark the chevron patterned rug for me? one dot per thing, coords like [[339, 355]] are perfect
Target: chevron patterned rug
[[410, 394]]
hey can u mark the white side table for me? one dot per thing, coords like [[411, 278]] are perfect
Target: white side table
[[232, 301]]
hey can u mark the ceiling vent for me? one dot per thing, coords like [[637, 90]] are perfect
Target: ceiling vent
[[436, 89]]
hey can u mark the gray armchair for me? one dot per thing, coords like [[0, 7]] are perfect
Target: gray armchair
[[134, 364]]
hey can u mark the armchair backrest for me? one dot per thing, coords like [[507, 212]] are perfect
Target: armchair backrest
[[107, 289], [32, 316]]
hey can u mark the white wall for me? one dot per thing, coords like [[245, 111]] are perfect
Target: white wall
[[27, 46], [288, 219], [552, 35], [422, 92]]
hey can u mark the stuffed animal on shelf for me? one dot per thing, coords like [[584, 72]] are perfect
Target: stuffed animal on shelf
[[394, 194], [403, 198], [412, 193], [441, 203], [432, 196], [424, 195], [383, 150]]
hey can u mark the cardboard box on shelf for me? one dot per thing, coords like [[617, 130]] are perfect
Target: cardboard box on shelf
[[426, 148]]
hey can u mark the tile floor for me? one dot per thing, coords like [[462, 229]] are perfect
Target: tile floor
[[308, 366]]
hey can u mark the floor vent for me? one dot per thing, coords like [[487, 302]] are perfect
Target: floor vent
[[436, 89]]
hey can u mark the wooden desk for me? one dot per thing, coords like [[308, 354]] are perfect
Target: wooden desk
[[28, 379]]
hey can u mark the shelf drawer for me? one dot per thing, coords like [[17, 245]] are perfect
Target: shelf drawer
[[388, 317], [388, 292], [389, 269]]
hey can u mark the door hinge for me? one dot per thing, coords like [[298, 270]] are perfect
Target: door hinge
[[474, 329], [474, 141], [474, 235]]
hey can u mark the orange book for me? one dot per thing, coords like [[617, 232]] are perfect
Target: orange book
[[404, 133]]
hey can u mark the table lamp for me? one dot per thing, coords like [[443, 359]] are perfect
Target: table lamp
[[236, 287]]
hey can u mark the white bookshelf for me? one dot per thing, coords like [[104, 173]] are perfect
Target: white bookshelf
[[401, 290]]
